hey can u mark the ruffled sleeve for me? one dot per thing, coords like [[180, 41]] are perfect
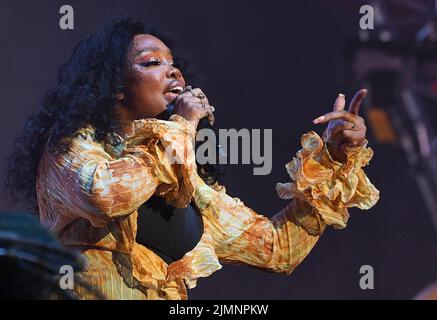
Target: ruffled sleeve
[[88, 182], [322, 190], [328, 186], [169, 148]]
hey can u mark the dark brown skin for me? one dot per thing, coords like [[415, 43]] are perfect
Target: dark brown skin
[[151, 73], [345, 128]]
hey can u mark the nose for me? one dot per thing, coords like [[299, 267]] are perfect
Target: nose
[[174, 73]]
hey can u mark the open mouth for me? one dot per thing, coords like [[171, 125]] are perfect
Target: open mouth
[[173, 92], [177, 90]]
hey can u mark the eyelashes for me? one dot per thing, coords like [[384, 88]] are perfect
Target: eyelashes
[[154, 62], [150, 63]]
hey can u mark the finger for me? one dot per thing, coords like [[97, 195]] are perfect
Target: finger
[[183, 94], [210, 114], [355, 104], [188, 100], [186, 96], [198, 92], [211, 118], [340, 102], [334, 115], [344, 126], [204, 111], [351, 137]]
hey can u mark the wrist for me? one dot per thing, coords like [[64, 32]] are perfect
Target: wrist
[[191, 127], [336, 151], [340, 152]]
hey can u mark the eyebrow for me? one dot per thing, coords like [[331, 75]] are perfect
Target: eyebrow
[[154, 49]]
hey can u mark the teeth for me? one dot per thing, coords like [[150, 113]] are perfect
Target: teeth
[[177, 89]]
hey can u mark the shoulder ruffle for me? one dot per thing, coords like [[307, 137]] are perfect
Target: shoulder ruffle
[[168, 147]]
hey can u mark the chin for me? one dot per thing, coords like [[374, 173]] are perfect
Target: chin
[[157, 112]]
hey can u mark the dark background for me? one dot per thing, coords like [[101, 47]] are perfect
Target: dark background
[[265, 64]]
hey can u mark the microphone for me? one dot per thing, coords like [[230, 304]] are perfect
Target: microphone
[[203, 124]]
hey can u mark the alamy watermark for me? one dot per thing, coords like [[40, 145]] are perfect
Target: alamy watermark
[[66, 281], [231, 146], [256, 148], [367, 20], [367, 280], [66, 22]]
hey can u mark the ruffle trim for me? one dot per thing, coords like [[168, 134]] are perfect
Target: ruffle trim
[[328, 186], [168, 147]]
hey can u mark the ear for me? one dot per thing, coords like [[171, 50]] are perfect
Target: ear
[[120, 96]]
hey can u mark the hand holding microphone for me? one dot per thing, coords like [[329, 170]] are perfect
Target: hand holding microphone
[[193, 105]]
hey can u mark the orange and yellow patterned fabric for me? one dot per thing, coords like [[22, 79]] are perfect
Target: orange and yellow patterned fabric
[[89, 198]]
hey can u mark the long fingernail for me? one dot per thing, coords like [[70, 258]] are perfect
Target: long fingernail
[[341, 95], [317, 120]]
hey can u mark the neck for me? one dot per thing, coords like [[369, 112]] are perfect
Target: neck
[[125, 128], [125, 119]]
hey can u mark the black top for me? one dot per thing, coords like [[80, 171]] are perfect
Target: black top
[[170, 232]]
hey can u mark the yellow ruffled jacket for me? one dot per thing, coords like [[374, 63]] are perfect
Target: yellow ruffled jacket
[[89, 198]]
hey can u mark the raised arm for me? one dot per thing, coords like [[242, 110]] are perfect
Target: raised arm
[[322, 189]]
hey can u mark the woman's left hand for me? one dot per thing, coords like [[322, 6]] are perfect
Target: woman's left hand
[[345, 128]]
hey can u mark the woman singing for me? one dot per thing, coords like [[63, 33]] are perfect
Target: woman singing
[[94, 162]]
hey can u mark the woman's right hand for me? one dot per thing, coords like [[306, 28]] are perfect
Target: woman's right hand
[[193, 108]]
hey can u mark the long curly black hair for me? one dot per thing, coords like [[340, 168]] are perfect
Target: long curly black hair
[[84, 93]]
